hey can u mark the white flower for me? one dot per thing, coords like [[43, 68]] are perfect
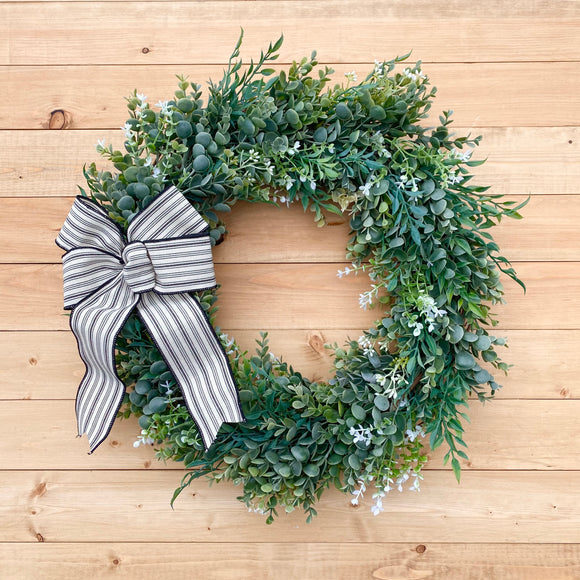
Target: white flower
[[142, 99], [164, 106], [294, 149], [142, 440], [128, 131], [358, 493], [463, 156], [331, 148], [415, 486], [366, 188], [361, 434], [417, 329], [414, 75], [412, 435], [289, 182], [344, 272], [413, 181], [167, 386], [351, 76], [148, 161], [402, 181], [454, 178], [101, 144], [156, 172], [378, 507], [365, 299], [391, 391], [365, 344], [312, 184], [379, 68], [228, 342], [385, 153]]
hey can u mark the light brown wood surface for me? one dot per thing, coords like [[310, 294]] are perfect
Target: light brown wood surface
[[510, 72]]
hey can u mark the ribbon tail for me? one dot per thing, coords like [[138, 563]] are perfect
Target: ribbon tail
[[196, 358], [96, 322]]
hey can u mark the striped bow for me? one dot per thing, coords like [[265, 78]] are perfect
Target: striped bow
[[166, 253]]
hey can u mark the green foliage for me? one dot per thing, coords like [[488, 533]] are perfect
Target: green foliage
[[419, 229]]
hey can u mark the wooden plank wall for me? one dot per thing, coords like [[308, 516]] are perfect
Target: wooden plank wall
[[511, 72]]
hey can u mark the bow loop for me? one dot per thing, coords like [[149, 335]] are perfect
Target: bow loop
[[166, 255]]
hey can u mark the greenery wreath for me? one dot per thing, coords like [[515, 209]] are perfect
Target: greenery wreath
[[418, 229]]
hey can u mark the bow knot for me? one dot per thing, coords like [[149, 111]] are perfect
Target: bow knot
[[166, 255], [138, 269]]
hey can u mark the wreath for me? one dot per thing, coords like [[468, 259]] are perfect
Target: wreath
[[419, 231]]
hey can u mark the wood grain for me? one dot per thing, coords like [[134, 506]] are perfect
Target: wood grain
[[46, 365], [292, 235], [299, 296], [112, 506], [65, 33], [263, 561], [520, 160], [480, 94], [43, 436]]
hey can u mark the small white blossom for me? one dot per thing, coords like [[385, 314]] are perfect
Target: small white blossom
[[128, 131], [462, 156], [167, 386], [365, 299], [143, 439], [378, 507], [366, 188], [358, 493], [365, 344], [418, 328], [413, 182], [379, 68], [454, 178], [142, 99], [351, 76], [402, 181], [344, 272], [164, 106], [412, 435], [414, 74], [361, 434], [294, 149], [228, 342]]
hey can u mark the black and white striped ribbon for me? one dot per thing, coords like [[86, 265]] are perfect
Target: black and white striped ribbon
[[166, 253]]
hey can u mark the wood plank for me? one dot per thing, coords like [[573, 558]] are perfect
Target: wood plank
[[46, 365], [110, 506], [480, 94], [65, 32], [43, 436], [520, 160], [291, 234], [300, 296], [265, 560]]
